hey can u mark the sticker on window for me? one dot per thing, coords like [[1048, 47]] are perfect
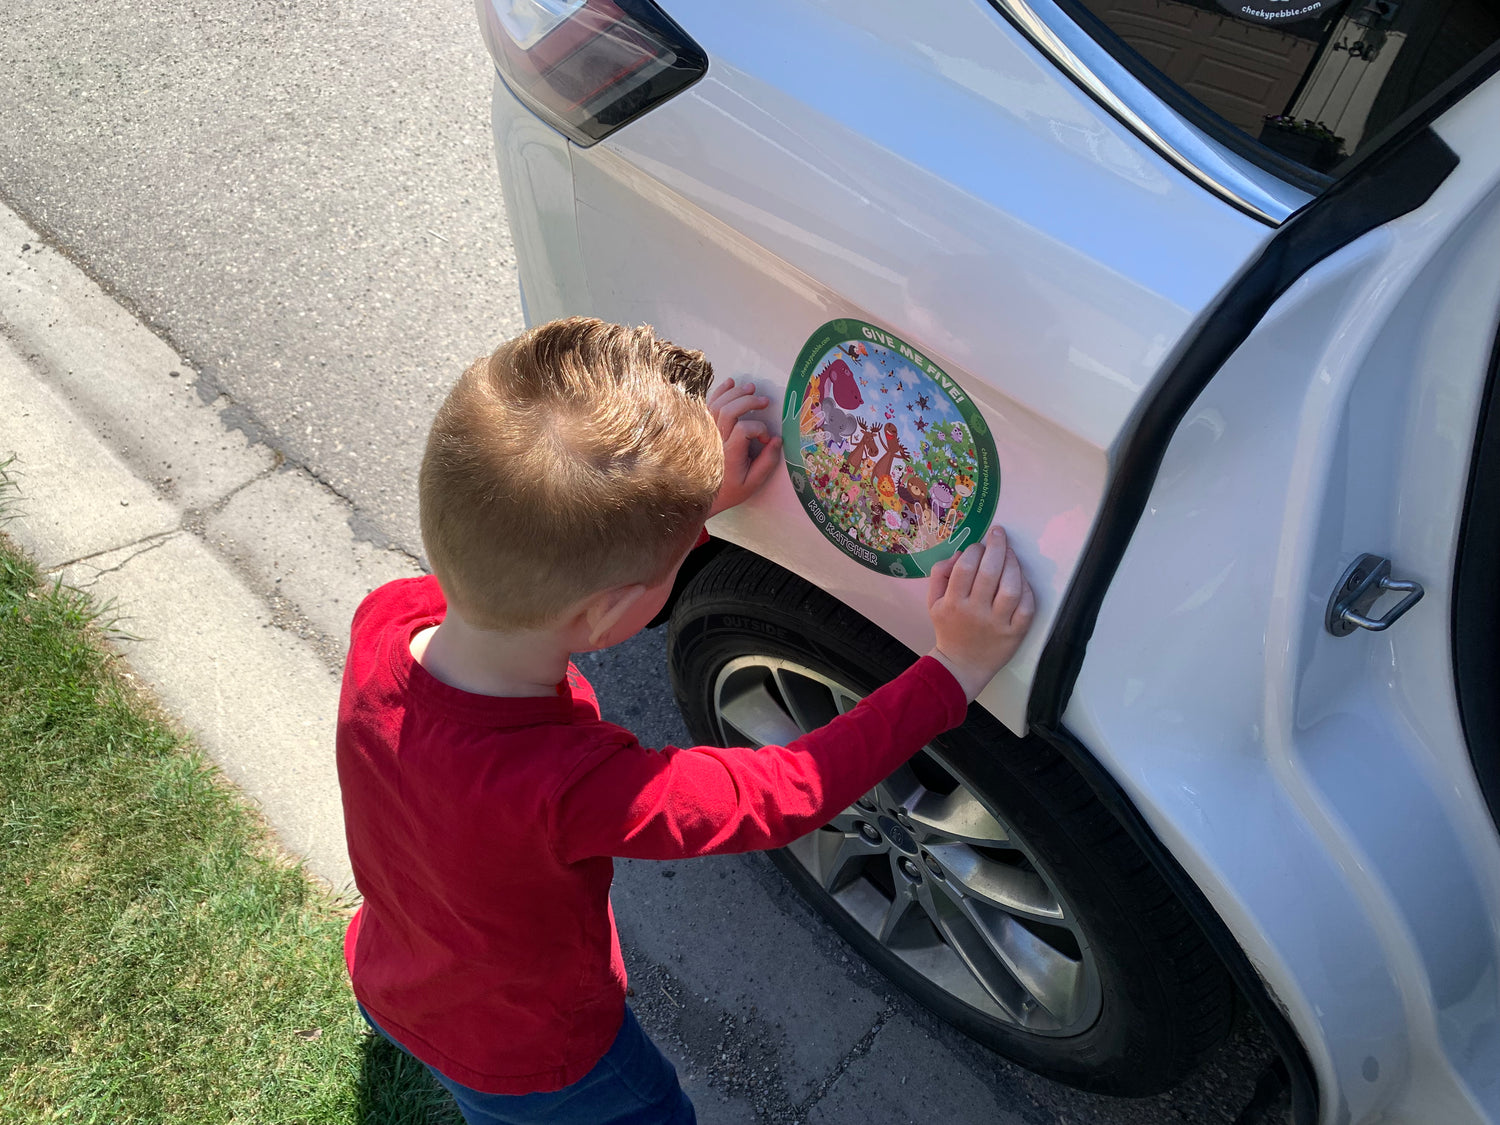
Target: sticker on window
[[889, 456], [1275, 11]]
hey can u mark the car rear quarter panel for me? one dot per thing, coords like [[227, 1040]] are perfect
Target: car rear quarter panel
[[920, 167]]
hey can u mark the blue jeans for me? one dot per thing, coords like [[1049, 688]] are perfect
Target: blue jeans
[[633, 1084]]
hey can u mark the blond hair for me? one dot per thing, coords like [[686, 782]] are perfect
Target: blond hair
[[578, 456]]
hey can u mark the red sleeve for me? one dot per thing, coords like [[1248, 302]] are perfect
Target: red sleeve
[[673, 803]]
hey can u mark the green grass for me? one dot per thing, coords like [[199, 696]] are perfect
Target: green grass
[[160, 960]]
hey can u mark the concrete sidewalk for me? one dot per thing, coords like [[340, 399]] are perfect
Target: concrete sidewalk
[[236, 574], [229, 571]]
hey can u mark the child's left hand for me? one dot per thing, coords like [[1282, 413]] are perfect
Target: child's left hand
[[745, 467]]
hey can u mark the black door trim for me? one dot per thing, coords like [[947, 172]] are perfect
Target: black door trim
[[1476, 599], [1393, 182]]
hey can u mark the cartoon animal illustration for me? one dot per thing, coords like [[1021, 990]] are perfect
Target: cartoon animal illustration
[[942, 497], [810, 417], [835, 391], [865, 448], [893, 449], [838, 378], [812, 423], [877, 491], [876, 447], [913, 491]]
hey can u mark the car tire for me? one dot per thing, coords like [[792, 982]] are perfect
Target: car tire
[[1131, 996]]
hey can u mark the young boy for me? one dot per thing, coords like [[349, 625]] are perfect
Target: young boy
[[566, 477]]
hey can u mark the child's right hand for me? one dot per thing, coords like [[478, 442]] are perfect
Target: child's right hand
[[981, 606]]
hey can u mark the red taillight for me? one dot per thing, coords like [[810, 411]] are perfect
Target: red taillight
[[589, 66]]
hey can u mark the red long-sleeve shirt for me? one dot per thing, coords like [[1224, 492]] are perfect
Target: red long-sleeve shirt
[[481, 829]]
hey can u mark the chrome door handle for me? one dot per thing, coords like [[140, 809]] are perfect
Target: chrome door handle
[[1367, 578]]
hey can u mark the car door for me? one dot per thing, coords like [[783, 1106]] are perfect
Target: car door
[[1316, 765]]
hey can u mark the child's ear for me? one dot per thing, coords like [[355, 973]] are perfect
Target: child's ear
[[606, 608]]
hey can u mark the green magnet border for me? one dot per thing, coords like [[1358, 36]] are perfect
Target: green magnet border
[[889, 456]]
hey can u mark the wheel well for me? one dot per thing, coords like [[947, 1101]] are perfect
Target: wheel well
[[1295, 1068], [1298, 1071]]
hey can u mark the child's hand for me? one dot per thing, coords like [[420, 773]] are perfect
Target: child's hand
[[981, 606], [745, 467]]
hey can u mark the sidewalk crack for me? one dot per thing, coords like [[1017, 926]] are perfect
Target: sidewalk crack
[[854, 1053], [195, 520], [146, 545]]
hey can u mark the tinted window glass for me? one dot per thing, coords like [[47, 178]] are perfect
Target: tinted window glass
[[1311, 80]]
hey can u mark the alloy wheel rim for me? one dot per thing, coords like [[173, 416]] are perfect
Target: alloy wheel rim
[[924, 867]]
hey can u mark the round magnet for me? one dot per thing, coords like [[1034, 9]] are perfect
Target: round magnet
[[889, 456]]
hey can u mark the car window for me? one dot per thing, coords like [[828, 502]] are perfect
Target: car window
[[1307, 83]]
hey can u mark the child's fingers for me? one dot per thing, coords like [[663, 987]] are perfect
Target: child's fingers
[[740, 454], [736, 454], [961, 580], [727, 392], [732, 408], [1025, 607], [723, 397], [997, 538], [991, 567], [937, 579], [723, 388], [1012, 582], [750, 428], [763, 465]]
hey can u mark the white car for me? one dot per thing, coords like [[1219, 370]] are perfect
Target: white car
[[1199, 299]]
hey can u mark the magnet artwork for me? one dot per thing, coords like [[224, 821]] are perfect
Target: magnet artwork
[[888, 454]]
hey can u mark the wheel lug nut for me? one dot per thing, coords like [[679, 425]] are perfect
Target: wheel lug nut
[[903, 819], [869, 832], [866, 804], [910, 870], [932, 865]]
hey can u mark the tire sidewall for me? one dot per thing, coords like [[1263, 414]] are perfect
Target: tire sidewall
[[1123, 1051]]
